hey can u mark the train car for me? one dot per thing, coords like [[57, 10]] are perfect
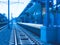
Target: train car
[[3, 19]]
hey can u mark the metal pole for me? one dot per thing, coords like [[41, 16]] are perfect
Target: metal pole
[[46, 22], [8, 12], [41, 22]]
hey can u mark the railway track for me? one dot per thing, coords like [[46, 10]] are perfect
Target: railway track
[[19, 37]]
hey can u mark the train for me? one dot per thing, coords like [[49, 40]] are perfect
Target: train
[[3, 19], [43, 12]]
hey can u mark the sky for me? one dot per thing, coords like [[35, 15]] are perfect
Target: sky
[[15, 8], [54, 2]]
